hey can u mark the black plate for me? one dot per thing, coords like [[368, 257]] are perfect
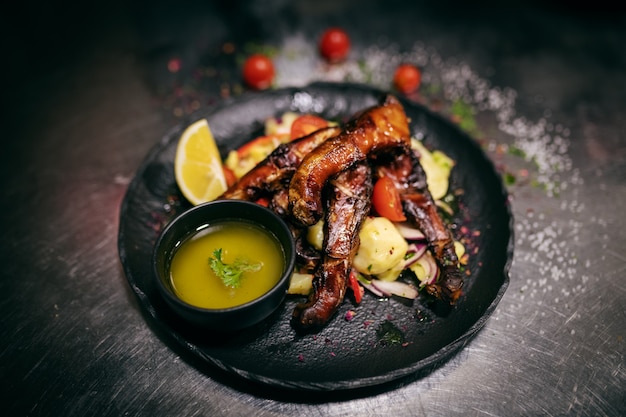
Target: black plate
[[345, 354]]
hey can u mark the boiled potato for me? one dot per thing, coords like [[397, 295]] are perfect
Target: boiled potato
[[382, 247], [280, 126], [315, 235], [437, 167], [301, 284], [393, 273]]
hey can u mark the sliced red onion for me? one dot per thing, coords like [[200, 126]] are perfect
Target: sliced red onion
[[409, 232], [445, 207], [371, 288], [399, 288], [430, 267], [414, 252]]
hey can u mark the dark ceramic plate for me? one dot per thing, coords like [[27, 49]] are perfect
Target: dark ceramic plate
[[387, 339]]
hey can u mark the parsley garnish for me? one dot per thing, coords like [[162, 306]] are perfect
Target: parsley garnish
[[389, 334], [231, 274]]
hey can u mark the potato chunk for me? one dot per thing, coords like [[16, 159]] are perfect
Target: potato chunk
[[382, 246]]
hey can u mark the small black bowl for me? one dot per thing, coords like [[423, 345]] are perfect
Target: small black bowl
[[187, 224]]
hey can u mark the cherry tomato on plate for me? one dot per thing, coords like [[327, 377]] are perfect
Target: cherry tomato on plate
[[334, 44], [386, 200], [258, 71], [305, 124], [407, 78], [269, 142], [229, 175]]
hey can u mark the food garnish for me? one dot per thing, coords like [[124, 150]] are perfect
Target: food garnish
[[363, 200], [193, 280], [386, 200], [231, 274], [198, 165], [289, 127], [306, 124]]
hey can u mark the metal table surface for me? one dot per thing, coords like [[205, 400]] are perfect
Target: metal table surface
[[90, 90]]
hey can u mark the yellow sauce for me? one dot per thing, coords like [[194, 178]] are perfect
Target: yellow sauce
[[194, 281]]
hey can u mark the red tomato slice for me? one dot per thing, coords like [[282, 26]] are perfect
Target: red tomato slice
[[386, 200], [244, 150], [229, 175], [306, 124]]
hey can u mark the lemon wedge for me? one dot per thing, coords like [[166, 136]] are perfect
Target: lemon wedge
[[198, 164]]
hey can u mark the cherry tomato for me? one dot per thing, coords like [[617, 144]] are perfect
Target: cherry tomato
[[334, 44], [305, 124], [386, 200], [263, 201], [407, 78], [269, 142], [258, 71], [229, 175]]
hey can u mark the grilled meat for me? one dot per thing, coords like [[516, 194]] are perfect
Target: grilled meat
[[347, 205], [418, 205], [330, 174], [378, 128], [271, 174]]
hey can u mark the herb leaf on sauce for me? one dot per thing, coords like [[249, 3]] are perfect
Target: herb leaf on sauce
[[230, 274]]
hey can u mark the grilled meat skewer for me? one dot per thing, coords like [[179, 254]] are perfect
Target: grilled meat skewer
[[307, 257]]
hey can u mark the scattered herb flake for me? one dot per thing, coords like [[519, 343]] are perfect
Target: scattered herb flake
[[509, 179], [463, 113], [422, 316], [515, 151], [389, 334]]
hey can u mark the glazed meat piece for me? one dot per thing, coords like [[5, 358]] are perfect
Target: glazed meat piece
[[347, 205], [378, 128], [409, 177], [270, 179], [307, 256], [279, 203], [275, 171], [331, 173]]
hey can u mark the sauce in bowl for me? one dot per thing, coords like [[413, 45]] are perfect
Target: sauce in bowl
[[194, 281]]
